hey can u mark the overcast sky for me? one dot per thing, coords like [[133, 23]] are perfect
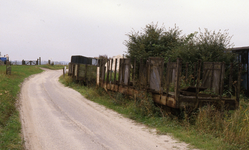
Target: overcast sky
[[57, 29]]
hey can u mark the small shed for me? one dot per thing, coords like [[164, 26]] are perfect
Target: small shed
[[243, 54]]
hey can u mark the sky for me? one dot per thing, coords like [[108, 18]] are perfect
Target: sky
[[58, 29]]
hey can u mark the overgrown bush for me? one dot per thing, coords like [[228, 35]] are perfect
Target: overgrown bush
[[154, 41]]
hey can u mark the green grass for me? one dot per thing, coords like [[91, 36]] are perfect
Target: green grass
[[10, 126], [53, 67], [209, 129]]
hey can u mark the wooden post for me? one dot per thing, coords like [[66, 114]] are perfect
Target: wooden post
[[115, 70], [167, 78], [186, 73], [140, 72], [8, 68], [194, 73], [222, 72], [161, 77], [78, 70], [108, 67], [85, 77], [73, 66], [111, 70], [238, 86], [230, 79], [120, 71], [100, 72], [123, 71], [212, 76], [129, 70], [197, 83], [148, 74], [177, 79], [134, 71]]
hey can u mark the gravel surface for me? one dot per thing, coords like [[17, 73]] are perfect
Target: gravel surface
[[55, 117]]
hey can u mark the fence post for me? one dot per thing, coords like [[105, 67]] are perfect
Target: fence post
[[8, 68], [23, 62], [63, 72]]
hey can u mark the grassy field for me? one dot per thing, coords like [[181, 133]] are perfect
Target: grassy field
[[206, 129], [10, 126]]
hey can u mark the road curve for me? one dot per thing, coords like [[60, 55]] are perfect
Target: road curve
[[55, 117]]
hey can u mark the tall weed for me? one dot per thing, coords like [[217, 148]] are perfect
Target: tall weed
[[231, 126]]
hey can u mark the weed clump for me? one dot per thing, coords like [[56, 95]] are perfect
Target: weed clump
[[146, 107], [231, 126]]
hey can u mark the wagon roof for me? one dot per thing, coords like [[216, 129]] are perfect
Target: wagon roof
[[240, 48]]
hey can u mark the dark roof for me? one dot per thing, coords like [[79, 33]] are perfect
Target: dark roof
[[240, 48]]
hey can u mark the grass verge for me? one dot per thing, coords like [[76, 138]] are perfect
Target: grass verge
[[53, 67], [206, 129], [10, 126]]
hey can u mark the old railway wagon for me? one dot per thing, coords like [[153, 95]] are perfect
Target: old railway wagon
[[83, 68], [171, 84]]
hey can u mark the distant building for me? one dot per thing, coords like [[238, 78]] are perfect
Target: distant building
[[4, 58]]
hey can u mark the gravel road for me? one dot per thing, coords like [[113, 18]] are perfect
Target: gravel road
[[55, 117]]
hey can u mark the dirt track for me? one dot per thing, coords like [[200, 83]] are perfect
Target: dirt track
[[55, 117]]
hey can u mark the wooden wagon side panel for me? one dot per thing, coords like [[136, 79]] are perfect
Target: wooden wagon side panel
[[172, 71], [70, 69], [142, 74], [91, 73], [82, 70], [126, 69], [155, 74], [213, 75]]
